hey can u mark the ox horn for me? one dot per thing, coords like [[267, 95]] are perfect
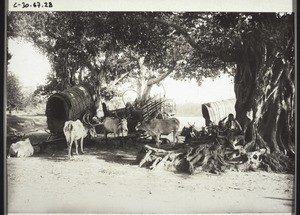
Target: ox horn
[[87, 119]]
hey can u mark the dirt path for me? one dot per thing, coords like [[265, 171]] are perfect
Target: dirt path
[[106, 181]]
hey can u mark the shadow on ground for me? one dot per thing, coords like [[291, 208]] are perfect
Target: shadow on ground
[[113, 151]]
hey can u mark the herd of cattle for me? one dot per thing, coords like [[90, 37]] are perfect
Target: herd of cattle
[[75, 131], [155, 127]]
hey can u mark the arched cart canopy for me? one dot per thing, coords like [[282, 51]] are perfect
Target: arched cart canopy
[[216, 111], [70, 104]]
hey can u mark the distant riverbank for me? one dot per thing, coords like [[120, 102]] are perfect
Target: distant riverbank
[[189, 110]]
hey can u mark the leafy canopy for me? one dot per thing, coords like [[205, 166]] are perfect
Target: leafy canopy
[[100, 47]]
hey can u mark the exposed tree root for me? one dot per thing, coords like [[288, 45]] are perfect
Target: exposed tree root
[[213, 157], [278, 162]]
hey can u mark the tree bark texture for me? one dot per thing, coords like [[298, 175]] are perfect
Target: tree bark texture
[[264, 83]]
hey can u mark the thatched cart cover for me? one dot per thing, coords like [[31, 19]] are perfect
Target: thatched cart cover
[[150, 107], [216, 111], [70, 104]]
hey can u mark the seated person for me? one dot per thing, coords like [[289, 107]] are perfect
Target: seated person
[[232, 124]]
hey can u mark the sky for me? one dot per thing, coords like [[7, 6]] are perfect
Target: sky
[[28, 63], [32, 67], [210, 90]]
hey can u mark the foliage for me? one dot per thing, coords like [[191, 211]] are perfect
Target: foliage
[[34, 103], [13, 90], [105, 49], [106, 43], [202, 44], [53, 85]]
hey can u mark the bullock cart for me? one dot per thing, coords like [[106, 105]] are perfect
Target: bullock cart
[[213, 112], [77, 103], [139, 111], [71, 104]]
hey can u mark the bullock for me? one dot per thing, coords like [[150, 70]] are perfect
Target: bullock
[[116, 126], [21, 149], [189, 132], [156, 127], [74, 131]]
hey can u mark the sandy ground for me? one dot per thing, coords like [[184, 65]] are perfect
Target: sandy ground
[[106, 180]]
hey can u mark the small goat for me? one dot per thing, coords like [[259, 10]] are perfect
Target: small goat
[[75, 130]]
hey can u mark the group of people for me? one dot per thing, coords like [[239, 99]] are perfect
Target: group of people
[[229, 123]]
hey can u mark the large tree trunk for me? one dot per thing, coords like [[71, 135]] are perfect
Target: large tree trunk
[[264, 83]]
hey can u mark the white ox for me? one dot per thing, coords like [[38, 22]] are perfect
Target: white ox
[[21, 149], [74, 131], [156, 127]]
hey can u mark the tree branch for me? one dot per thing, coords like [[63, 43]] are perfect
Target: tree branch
[[223, 55], [162, 76], [181, 30], [187, 36], [119, 79], [159, 78]]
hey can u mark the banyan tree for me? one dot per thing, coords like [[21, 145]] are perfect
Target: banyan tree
[[258, 49]]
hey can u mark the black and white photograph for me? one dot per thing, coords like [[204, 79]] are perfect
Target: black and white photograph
[[182, 108]]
